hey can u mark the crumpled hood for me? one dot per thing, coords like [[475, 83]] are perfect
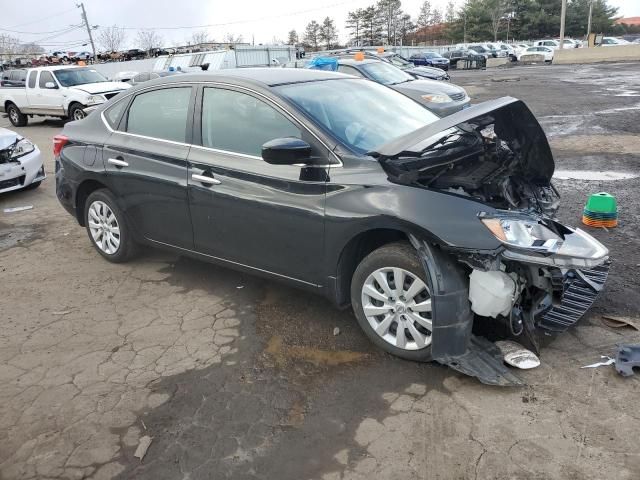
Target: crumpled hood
[[7, 138], [101, 87], [512, 122], [423, 87]]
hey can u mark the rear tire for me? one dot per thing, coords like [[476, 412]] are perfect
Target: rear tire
[[107, 227], [392, 303], [16, 117]]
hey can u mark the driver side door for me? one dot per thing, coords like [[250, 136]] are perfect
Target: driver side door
[[269, 218]]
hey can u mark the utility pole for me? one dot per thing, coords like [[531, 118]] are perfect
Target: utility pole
[[86, 23], [464, 35], [563, 15], [589, 21]]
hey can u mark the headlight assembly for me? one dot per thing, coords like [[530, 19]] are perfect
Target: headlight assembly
[[530, 241], [21, 148], [523, 234], [94, 99], [437, 98]]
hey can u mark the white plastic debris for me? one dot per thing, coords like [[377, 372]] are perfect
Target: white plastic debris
[[143, 446], [608, 361], [18, 209], [517, 356], [62, 312], [336, 331]]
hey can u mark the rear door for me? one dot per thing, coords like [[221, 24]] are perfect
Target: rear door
[[244, 210], [146, 162]]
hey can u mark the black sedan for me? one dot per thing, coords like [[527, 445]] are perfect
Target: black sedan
[[343, 187], [431, 59]]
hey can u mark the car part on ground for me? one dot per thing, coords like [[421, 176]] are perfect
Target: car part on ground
[[21, 164], [627, 357], [472, 192]]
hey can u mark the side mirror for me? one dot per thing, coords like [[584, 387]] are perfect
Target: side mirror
[[50, 85], [286, 151]]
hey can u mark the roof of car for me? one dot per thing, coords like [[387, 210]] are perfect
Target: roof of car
[[353, 61], [265, 76]]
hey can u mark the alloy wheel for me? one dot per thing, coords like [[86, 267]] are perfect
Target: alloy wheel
[[78, 114], [397, 305], [13, 115], [104, 227]]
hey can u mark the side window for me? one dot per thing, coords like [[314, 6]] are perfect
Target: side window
[[349, 70], [44, 78], [113, 114], [160, 114], [240, 123], [22, 75], [32, 78]]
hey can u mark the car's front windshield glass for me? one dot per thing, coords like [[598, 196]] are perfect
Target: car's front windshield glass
[[70, 77], [432, 55], [362, 115], [385, 73], [399, 61]]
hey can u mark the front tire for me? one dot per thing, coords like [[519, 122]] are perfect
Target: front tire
[[16, 117], [76, 112], [392, 302], [107, 227]]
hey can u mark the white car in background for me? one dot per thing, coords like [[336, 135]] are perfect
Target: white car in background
[[613, 42], [547, 52], [20, 162], [553, 44]]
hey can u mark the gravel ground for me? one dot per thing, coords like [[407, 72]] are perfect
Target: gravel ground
[[237, 377]]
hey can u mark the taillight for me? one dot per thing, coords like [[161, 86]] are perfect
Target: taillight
[[59, 141]]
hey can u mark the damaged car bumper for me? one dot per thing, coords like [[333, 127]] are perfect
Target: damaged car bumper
[[18, 172]]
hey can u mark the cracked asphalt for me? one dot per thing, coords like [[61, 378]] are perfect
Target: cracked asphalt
[[238, 377]]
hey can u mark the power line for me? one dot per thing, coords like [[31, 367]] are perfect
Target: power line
[[36, 21], [237, 22]]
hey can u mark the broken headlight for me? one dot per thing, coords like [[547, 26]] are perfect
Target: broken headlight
[[528, 234], [528, 240], [21, 148]]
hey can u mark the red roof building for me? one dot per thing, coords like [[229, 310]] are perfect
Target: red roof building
[[629, 21]]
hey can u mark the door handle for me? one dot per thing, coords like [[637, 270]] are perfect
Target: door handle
[[205, 179], [117, 162]]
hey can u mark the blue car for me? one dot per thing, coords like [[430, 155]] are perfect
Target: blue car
[[431, 59]]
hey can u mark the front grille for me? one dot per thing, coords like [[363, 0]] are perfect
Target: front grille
[[109, 96], [457, 96], [12, 182], [579, 294]]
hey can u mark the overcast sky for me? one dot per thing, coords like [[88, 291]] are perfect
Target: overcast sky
[[44, 21]]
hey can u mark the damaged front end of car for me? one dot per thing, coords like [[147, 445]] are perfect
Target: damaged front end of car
[[543, 276]]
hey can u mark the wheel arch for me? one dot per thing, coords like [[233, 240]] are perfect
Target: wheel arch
[[85, 189], [71, 104], [358, 247]]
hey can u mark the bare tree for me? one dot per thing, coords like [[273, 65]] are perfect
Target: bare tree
[[200, 37], [496, 10], [425, 18], [231, 38], [148, 39], [112, 38]]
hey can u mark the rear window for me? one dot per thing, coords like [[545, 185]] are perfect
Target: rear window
[[160, 114], [114, 113]]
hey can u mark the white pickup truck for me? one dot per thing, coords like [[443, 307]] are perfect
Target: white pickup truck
[[61, 91]]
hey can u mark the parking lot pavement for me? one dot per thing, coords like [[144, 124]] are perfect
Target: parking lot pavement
[[236, 377]]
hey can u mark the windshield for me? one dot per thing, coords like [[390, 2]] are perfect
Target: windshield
[[478, 48], [398, 61], [362, 115], [432, 55], [71, 77], [385, 73]]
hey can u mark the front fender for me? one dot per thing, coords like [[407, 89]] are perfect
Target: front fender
[[448, 220]]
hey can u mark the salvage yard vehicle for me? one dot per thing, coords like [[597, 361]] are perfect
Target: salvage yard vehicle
[[439, 97], [546, 52], [13, 78], [60, 91], [20, 162], [431, 59], [424, 225]]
